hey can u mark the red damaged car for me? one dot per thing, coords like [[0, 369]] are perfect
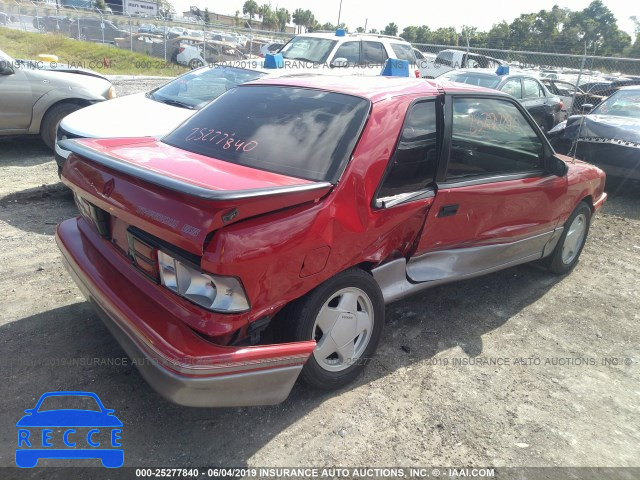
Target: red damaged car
[[261, 239]]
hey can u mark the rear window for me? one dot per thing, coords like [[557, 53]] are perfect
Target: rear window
[[300, 132]]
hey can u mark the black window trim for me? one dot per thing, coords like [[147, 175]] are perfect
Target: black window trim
[[443, 182], [429, 190]]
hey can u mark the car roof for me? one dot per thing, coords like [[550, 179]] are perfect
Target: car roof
[[629, 88], [373, 88], [372, 36], [492, 73]]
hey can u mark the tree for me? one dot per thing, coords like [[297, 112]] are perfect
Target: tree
[[250, 8], [360, 30], [283, 17], [410, 34], [100, 5], [298, 19], [206, 17], [423, 34], [633, 51], [391, 29], [373, 30]]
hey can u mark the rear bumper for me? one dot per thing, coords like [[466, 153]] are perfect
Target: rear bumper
[[179, 364]]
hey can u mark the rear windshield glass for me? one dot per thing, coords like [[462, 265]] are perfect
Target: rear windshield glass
[[300, 132]]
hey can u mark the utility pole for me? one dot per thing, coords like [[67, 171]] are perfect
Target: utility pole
[[339, 13]]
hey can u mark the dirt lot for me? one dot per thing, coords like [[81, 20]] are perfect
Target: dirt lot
[[571, 401]]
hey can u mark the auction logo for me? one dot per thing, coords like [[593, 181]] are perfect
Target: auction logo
[[84, 428]]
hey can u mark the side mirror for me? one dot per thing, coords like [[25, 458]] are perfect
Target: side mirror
[[558, 167], [6, 68], [586, 107], [340, 62]]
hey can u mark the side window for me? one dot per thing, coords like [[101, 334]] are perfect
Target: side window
[[373, 53], [531, 88], [513, 87], [491, 137], [350, 51], [415, 160]]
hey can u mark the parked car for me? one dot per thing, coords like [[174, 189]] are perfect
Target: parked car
[[609, 136], [543, 106], [35, 100], [52, 23], [354, 53], [6, 19], [566, 91], [196, 53], [96, 30], [605, 89], [153, 113], [146, 28], [451, 59], [261, 239]]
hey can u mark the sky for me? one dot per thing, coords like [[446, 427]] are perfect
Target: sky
[[474, 13]]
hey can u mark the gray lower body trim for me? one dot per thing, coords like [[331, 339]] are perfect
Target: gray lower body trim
[[264, 387], [398, 279]]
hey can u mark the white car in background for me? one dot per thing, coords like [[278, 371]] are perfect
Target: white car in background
[[343, 53], [156, 112]]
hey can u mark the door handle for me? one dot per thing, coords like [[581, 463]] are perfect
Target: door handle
[[448, 210]]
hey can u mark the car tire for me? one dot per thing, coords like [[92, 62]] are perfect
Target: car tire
[[349, 308], [195, 63], [52, 119], [574, 236]]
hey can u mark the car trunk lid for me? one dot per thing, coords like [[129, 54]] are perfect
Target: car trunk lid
[[173, 194]]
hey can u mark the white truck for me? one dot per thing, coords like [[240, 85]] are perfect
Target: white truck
[[450, 59]]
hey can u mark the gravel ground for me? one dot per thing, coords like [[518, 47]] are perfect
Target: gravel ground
[[565, 391]]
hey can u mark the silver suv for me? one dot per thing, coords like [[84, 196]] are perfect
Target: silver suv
[[359, 52]]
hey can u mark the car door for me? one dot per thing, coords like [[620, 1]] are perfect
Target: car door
[[17, 98], [496, 204], [536, 103], [350, 51]]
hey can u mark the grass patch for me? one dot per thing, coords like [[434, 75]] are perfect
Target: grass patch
[[84, 54]]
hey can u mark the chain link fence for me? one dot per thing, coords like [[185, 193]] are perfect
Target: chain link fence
[[155, 36], [163, 38], [555, 66]]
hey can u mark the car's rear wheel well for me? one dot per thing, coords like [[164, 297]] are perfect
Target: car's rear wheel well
[[589, 201]]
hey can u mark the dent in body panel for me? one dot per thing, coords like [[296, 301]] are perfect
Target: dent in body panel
[[398, 279]]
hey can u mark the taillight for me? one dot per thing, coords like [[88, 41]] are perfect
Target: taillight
[[417, 73], [561, 106], [181, 49]]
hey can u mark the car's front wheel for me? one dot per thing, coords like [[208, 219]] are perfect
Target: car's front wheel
[[566, 254], [345, 316], [52, 119]]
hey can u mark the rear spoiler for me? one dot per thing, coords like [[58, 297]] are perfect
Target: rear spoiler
[[176, 185]]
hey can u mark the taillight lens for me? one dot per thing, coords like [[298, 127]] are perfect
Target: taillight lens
[[213, 292], [417, 73], [561, 105], [181, 49]]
